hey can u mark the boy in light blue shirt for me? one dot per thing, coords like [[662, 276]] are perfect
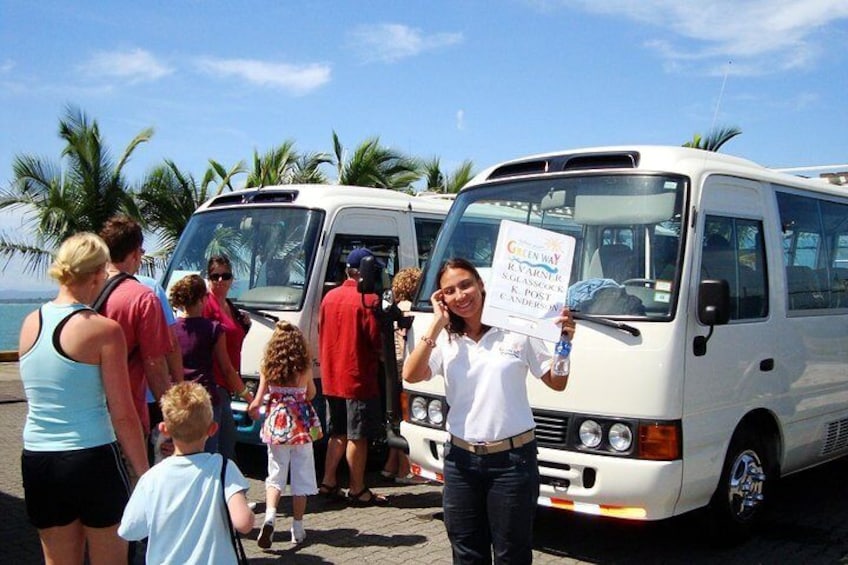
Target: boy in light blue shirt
[[178, 505]]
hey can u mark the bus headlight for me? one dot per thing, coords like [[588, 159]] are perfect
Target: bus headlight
[[425, 410], [418, 408], [435, 412], [590, 433], [620, 437]]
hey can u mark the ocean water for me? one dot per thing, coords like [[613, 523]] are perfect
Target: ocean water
[[12, 314]]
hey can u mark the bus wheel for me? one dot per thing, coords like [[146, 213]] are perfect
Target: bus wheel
[[739, 501]]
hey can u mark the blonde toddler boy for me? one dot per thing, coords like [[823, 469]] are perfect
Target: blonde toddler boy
[[178, 504]]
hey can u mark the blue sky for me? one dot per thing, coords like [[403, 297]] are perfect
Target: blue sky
[[480, 80]]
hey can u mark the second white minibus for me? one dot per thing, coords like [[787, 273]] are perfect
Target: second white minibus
[[288, 245]]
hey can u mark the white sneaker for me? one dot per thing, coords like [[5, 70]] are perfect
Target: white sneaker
[[298, 534], [266, 535]]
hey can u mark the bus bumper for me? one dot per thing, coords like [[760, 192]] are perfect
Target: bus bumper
[[579, 482], [247, 429]]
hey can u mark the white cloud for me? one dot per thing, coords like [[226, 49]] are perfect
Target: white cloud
[[6, 66], [136, 65], [460, 119], [297, 79], [389, 43], [759, 36]]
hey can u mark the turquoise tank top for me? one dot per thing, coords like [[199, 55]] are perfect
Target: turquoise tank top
[[67, 403]]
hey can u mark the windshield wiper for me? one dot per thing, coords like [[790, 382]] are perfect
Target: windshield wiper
[[607, 322], [256, 311]]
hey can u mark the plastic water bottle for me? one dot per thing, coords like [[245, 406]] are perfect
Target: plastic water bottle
[[562, 362]]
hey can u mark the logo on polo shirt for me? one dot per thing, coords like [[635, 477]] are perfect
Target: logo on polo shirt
[[509, 350]]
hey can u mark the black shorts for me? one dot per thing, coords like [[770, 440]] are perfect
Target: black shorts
[[356, 419], [89, 485]]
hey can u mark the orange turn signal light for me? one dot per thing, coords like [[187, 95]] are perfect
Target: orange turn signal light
[[660, 441]]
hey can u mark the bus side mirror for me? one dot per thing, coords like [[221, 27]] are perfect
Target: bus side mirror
[[713, 310], [370, 276], [714, 302]]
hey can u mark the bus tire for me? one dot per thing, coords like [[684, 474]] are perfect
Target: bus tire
[[743, 491]]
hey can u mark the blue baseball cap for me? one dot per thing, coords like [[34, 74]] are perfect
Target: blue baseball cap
[[357, 255]]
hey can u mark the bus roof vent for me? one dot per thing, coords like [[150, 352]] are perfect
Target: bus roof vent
[[279, 196], [227, 199], [623, 160], [520, 169]]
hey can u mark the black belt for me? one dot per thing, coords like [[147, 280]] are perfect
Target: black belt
[[489, 447]]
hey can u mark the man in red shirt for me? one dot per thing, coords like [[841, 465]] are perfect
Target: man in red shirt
[[349, 354], [135, 307]]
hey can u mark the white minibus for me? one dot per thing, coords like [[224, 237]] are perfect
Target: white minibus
[[288, 245], [711, 356]]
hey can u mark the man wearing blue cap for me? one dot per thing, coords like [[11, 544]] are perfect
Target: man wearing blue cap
[[349, 354]]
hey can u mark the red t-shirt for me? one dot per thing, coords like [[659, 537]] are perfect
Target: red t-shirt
[[139, 313], [349, 344], [234, 334]]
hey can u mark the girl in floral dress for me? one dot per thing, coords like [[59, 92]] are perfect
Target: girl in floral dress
[[291, 425]]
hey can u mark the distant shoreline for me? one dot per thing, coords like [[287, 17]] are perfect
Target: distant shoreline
[[25, 296]]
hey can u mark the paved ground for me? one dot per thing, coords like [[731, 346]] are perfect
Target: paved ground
[[808, 525], [408, 531]]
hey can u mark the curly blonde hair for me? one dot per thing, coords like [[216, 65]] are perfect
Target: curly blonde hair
[[187, 411], [405, 283], [286, 355], [79, 256], [187, 291]]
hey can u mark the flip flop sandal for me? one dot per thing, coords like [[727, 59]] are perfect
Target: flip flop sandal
[[355, 499]]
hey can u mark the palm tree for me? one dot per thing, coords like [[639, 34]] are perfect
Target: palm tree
[[437, 181], [434, 178], [169, 197], [274, 167], [307, 168], [284, 165], [225, 177], [59, 201], [167, 200], [374, 165], [714, 140]]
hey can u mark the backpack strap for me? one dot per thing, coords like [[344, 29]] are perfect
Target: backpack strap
[[238, 315], [100, 302], [238, 547], [110, 286]]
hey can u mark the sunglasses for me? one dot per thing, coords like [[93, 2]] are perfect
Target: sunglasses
[[220, 276]]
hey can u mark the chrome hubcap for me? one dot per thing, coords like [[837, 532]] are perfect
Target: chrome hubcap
[[745, 490]]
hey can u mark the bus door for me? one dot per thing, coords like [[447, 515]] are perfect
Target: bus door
[[738, 364]]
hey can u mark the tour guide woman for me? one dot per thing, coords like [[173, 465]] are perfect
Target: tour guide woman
[[490, 469], [74, 371], [235, 324]]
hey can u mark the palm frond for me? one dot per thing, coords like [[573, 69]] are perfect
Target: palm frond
[[36, 259], [714, 140]]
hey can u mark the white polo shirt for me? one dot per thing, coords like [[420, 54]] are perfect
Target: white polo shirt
[[486, 382]]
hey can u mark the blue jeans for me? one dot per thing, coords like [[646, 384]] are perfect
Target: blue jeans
[[490, 503], [226, 436], [217, 409]]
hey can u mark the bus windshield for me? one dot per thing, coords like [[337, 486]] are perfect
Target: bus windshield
[[271, 251], [627, 229]]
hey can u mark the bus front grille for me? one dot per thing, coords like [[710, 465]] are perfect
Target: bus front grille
[[551, 428]]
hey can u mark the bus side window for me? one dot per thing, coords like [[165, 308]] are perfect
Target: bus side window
[[734, 250]]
